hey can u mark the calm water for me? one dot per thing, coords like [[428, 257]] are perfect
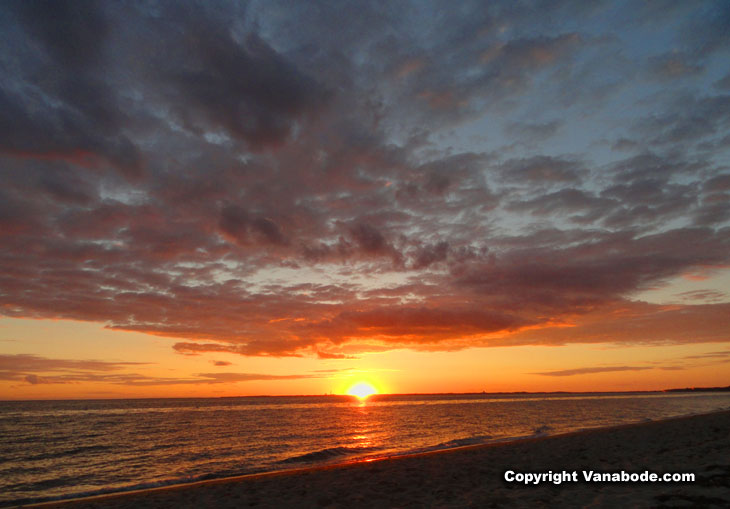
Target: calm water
[[61, 449]]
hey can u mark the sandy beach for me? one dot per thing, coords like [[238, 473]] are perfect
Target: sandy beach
[[474, 476]]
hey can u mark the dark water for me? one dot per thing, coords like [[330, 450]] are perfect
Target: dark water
[[62, 449]]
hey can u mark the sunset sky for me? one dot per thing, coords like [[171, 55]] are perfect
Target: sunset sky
[[240, 198]]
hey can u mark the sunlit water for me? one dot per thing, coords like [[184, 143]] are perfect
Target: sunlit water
[[62, 449]]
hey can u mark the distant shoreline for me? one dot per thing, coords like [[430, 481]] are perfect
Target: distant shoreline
[[700, 389], [507, 393]]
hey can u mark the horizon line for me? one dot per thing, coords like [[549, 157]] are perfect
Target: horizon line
[[683, 389]]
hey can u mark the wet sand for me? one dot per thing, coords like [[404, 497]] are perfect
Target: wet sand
[[474, 476]]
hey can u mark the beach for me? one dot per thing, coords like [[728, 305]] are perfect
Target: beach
[[474, 476]]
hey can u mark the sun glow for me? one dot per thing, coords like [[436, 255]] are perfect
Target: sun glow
[[362, 390]]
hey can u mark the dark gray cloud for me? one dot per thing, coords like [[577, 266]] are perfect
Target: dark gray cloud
[[674, 65], [263, 178], [61, 103], [246, 87], [541, 169], [687, 119], [526, 131], [723, 83], [585, 206]]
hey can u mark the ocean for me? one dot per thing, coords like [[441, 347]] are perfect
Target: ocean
[[65, 449]]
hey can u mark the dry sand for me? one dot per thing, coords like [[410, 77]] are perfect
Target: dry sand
[[474, 476]]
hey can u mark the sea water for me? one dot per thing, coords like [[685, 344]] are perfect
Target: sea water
[[64, 449]]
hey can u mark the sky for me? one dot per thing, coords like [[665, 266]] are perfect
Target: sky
[[271, 197]]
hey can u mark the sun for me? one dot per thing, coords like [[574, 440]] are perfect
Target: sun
[[361, 390]]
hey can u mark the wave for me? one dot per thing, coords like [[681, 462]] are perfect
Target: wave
[[451, 444], [121, 489], [462, 442], [541, 431], [328, 454], [84, 449]]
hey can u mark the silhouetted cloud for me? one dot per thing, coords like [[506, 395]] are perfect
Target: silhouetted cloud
[[27, 362], [703, 295], [332, 355], [722, 354], [587, 371], [63, 371]]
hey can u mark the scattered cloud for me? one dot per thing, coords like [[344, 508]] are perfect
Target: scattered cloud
[[27, 362], [269, 180], [332, 355], [587, 371], [722, 354], [541, 169], [64, 371], [703, 295]]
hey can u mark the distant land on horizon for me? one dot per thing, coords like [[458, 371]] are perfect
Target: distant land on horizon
[[700, 389], [684, 389]]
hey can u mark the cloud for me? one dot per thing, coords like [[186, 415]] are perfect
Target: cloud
[[244, 87], [417, 324], [703, 295], [73, 114], [332, 355], [587, 208], [64, 371], [141, 380], [637, 323], [27, 362], [238, 225], [533, 131], [35, 380], [541, 169], [722, 354], [719, 356], [216, 378], [723, 83], [278, 180], [674, 65], [687, 119], [587, 371]]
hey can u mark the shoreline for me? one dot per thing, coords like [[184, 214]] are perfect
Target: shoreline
[[349, 480]]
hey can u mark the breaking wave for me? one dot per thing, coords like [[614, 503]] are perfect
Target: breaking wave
[[328, 454]]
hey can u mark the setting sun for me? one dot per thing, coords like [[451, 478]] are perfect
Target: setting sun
[[362, 390]]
